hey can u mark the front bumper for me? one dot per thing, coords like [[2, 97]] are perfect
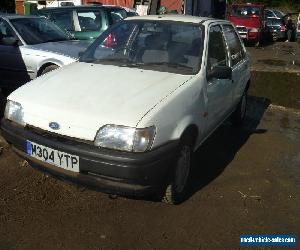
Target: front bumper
[[111, 171]]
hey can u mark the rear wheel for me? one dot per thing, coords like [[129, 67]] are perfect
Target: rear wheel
[[239, 114], [177, 187], [48, 69]]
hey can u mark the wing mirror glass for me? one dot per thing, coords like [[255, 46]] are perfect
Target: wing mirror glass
[[220, 72]]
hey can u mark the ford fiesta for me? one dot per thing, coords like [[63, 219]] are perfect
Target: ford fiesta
[[127, 117]]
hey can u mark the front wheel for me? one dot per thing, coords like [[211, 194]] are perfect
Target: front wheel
[[48, 69], [177, 187], [238, 116]]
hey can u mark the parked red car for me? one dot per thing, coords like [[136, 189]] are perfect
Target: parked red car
[[249, 21]]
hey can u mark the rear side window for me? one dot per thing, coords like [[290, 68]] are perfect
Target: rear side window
[[63, 19], [90, 20], [217, 53], [234, 44]]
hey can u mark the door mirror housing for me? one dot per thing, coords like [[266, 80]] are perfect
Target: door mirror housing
[[10, 41], [220, 72]]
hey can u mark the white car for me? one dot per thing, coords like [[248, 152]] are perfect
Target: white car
[[31, 46], [143, 97]]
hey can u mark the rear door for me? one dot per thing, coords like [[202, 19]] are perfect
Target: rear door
[[239, 62], [219, 91]]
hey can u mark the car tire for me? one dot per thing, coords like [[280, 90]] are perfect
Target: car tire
[[238, 116], [176, 189], [48, 69]]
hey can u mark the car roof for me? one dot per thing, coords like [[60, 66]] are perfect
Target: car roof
[[178, 18], [92, 6], [15, 16]]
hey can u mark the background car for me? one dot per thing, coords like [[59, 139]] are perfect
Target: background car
[[277, 28], [298, 30], [31, 46], [84, 22], [271, 13]]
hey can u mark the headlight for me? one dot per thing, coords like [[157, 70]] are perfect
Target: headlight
[[253, 30], [125, 138], [14, 112]]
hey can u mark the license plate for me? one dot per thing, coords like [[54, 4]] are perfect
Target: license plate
[[54, 157], [243, 36]]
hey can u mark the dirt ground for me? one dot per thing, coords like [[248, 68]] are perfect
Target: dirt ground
[[244, 181], [277, 57]]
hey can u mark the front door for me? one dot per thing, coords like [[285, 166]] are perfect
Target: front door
[[238, 62], [219, 91]]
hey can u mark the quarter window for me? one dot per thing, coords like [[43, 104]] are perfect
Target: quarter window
[[217, 55], [234, 44]]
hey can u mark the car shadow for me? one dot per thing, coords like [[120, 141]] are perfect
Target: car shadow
[[212, 158]]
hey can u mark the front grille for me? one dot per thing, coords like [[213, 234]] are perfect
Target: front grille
[[57, 137]]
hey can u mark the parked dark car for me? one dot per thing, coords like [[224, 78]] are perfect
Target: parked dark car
[[277, 28], [84, 22], [271, 13]]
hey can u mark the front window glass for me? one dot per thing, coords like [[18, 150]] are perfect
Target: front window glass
[[245, 11], [90, 20], [217, 53], [38, 30], [63, 19], [156, 45], [5, 30]]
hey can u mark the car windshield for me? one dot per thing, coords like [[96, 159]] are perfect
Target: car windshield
[[168, 46], [244, 11], [278, 13], [38, 30]]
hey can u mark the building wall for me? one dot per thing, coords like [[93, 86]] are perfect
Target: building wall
[[20, 7]]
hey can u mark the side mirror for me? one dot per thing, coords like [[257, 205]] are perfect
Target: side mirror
[[220, 72], [10, 41]]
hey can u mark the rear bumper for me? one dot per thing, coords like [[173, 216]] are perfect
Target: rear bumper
[[111, 171]]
